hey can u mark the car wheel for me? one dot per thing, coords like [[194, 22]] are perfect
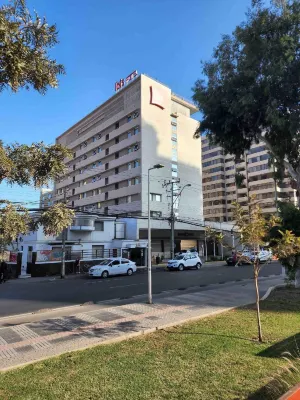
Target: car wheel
[[181, 267], [104, 275], [198, 265], [129, 272]]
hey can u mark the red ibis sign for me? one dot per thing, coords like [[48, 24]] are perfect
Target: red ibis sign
[[125, 81]]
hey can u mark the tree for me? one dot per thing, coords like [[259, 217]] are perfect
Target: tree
[[35, 166], [24, 40], [24, 62], [250, 91], [254, 230], [290, 221]]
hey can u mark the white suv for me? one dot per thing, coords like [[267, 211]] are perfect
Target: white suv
[[187, 260]]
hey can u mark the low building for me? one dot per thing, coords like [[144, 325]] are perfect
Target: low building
[[90, 237]]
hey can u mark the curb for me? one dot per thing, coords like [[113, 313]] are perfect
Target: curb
[[270, 290]]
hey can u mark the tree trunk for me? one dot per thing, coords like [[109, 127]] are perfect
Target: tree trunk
[[260, 337], [214, 248]]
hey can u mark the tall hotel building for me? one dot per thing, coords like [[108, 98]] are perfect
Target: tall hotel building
[[144, 123], [253, 174]]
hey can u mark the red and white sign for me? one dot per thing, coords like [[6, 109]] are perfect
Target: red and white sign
[[125, 81]]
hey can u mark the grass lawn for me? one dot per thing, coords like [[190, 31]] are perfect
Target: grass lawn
[[215, 358]]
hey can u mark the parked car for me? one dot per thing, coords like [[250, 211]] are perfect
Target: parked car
[[263, 256], [187, 260], [247, 257], [113, 266]]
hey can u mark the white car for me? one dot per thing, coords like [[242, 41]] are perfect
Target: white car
[[263, 256], [113, 266], [187, 260]]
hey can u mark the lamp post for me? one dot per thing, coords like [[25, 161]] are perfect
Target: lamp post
[[156, 166]]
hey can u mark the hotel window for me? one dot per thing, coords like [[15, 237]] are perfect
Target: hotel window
[[129, 118], [99, 163], [85, 144], [98, 177], [74, 167], [84, 156], [117, 140], [106, 166], [81, 171], [74, 179], [106, 195], [106, 181], [116, 202], [129, 199], [99, 136], [136, 163], [94, 139], [73, 192], [94, 165], [94, 152], [84, 182], [107, 137], [129, 182], [136, 181], [98, 205], [74, 155], [116, 186], [116, 171], [99, 149], [107, 151], [155, 197], [94, 179], [73, 203], [129, 165], [117, 125], [105, 210], [117, 155], [136, 130], [173, 120], [129, 134]]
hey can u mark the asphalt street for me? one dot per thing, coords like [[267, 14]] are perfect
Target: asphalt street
[[30, 295]]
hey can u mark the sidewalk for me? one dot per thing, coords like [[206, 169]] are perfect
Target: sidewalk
[[28, 342]]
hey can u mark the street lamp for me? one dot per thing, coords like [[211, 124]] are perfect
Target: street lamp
[[156, 166]]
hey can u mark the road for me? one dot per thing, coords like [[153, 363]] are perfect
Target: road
[[30, 295]]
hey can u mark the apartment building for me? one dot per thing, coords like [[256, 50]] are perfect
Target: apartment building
[[144, 123], [226, 181], [46, 198]]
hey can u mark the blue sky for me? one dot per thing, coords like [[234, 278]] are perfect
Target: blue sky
[[102, 41]]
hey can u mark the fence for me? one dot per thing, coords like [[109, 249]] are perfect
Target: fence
[[56, 255]]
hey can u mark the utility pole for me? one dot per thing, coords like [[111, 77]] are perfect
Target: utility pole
[[172, 216], [174, 198], [63, 242]]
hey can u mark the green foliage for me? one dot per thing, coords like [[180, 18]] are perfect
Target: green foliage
[[25, 40], [251, 87], [35, 164], [24, 62], [239, 179], [56, 218], [13, 221]]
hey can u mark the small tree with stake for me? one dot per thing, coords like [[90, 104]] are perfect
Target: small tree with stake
[[254, 230]]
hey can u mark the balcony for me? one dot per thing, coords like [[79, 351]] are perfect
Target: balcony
[[83, 224]]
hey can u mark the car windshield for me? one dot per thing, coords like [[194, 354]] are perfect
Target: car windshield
[[105, 262], [179, 258]]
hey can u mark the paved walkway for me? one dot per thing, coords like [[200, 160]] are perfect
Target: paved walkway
[[43, 338]]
